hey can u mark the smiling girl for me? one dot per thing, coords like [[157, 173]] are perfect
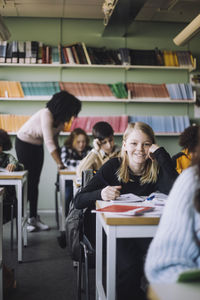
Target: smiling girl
[[142, 168]]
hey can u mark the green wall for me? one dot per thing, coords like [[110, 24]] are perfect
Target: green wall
[[140, 36]]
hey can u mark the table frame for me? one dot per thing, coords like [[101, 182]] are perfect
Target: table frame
[[63, 176], [115, 227], [19, 179], [1, 243]]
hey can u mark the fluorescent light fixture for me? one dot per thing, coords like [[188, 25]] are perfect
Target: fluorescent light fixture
[[4, 32], [188, 32]]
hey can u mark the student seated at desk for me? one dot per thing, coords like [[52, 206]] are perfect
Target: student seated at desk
[[103, 148], [75, 148], [176, 246], [10, 164], [142, 168], [188, 140]]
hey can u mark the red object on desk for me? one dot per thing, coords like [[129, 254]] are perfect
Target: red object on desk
[[125, 209]]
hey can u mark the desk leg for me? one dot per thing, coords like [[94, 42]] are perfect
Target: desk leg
[[19, 214], [99, 257], [111, 263], [25, 213], [1, 246], [62, 204]]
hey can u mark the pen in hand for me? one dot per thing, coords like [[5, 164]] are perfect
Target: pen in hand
[[150, 198]]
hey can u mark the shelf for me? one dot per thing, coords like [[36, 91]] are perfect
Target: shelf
[[125, 67], [100, 99], [174, 134]]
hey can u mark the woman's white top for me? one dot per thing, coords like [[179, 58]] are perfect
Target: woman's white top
[[39, 129]]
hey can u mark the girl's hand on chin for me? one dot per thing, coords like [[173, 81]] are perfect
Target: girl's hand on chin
[[152, 149], [110, 192]]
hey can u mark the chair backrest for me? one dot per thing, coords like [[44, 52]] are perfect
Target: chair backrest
[[87, 176]]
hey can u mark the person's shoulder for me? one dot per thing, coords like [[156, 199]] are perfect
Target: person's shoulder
[[113, 162], [116, 149], [189, 178], [178, 155], [44, 111], [190, 172]]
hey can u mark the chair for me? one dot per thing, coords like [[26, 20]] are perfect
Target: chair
[[86, 249], [10, 211]]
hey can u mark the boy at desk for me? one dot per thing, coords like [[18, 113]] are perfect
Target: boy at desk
[[142, 168], [104, 148]]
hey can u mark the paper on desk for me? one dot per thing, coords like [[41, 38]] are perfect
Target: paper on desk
[[158, 198], [4, 170], [128, 198]]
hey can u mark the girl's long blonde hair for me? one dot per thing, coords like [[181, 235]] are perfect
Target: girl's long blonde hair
[[150, 173]]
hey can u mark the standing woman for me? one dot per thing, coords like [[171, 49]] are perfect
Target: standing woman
[[43, 127]]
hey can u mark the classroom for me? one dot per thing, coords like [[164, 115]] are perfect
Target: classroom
[[125, 62]]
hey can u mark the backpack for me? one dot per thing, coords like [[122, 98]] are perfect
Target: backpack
[[74, 230], [74, 223]]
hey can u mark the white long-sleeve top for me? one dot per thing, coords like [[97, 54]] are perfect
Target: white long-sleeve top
[[176, 246], [39, 128]]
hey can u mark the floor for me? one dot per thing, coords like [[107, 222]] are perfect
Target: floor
[[47, 270]]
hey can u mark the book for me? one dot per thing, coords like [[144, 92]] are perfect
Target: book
[[86, 53], [3, 46], [9, 53], [34, 51], [127, 210], [189, 275], [15, 52], [21, 52], [39, 58], [28, 52]]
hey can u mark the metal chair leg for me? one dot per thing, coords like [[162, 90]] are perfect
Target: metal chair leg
[[86, 271], [79, 277], [56, 206], [11, 229]]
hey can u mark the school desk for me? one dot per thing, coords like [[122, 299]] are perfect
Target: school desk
[[116, 226], [63, 176], [1, 238], [19, 179], [174, 291]]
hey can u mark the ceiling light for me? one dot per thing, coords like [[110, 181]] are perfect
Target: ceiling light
[[188, 32], [108, 7]]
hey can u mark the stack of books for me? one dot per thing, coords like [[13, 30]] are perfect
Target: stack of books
[[118, 123], [12, 123], [35, 52], [163, 124]]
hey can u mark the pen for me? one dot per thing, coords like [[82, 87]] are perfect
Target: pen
[[150, 198]]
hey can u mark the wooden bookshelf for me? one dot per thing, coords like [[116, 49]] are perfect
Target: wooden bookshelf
[[125, 67], [175, 134], [104, 99]]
